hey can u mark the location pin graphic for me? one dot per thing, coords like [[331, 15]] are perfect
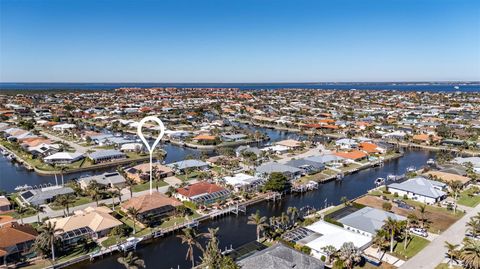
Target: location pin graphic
[[145, 142]]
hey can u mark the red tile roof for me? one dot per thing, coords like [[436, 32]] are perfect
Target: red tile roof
[[202, 187]]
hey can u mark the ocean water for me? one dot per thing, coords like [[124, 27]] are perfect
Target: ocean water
[[444, 87]]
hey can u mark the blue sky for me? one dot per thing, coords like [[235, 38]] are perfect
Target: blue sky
[[239, 41]]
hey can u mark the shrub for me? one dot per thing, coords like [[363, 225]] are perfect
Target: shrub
[[395, 195], [323, 258], [387, 206], [405, 197]]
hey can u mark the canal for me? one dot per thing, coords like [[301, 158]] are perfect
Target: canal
[[168, 252]]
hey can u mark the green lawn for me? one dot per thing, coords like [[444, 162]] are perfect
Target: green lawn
[[414, 246], [445, 266], [177, 220], [112, 240], [467, 198], [146, 186], [79, 201]]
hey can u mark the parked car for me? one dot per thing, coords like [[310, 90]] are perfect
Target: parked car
[[419, 231]]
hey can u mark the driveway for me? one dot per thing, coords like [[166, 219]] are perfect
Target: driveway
[[76, 146], [434, 253]]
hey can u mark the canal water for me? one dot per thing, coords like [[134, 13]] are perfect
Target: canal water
[[168, 252], [12, 175]]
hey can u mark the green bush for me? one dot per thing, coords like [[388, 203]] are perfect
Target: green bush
[[395, 195], [332, 221], [323, 258]]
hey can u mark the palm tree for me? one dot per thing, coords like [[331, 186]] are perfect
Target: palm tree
[[132, 211], [293, 212], [65, 201], [130, 183], [190, 237], [455, 186], [451, 252], [131, 261], [470, 253], [473, 226], [21, 210], [329, 251], [114, 193], [259, 221], [391, 225], [39, 209], [349, 254], [95, 193], [48, 236], [212, 255], [423, 211], [380, 239]]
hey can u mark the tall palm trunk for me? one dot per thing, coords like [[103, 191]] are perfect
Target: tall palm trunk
[[53, 250], [391, 241]]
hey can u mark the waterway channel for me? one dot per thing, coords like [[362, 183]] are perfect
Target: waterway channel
[[168, 252]]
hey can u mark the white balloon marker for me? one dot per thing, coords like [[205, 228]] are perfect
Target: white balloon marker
[[150, 149]]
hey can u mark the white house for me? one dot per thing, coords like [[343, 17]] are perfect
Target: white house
[[63, 127], [420, 189], [63, 157]]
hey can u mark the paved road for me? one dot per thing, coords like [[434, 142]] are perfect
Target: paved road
[[76, 146], [434, 253]]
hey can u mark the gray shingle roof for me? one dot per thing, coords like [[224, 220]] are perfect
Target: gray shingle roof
[[109, 153], [269, 168], [420, 186], [280, 256], [369, 219]]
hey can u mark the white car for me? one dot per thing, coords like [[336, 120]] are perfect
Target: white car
[[419, 231]]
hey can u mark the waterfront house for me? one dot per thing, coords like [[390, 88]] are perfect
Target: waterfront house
[[346, 143], [325, 234], [242, 181], [280, 256], [88, 223], [202, 192], [63, 157], [64, 127], [327, 159], [354, 155], [465, 161], [307, 166], [248, 150], [131, 147], [152, 208], [278, 149], [106, 155], [368, 220], [233, 137], [189, 165], [290, 144], [45, 195], [264, 170], [141, 172], [426, 138], [447, 177], [371, 148], [420, 189], [5, 204], [105, 180], [16, 242]]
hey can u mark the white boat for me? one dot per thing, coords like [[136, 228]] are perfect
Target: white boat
[[131, 243], [23, 188], [411, 169], [431, 162], [392, 177], [379, 181]]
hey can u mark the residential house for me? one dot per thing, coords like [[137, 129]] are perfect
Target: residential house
[[203, 193], [292, 173], [308, 166], [420, 189], [152, 208], [88, 223], [16, 242], [43, 195], [141, 172], [5, 204], [189, 165], [105, 180], [233, 137], [368, 220], [280, 256], [63, 157], [106, 155], [242, 181], [290, 144]]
